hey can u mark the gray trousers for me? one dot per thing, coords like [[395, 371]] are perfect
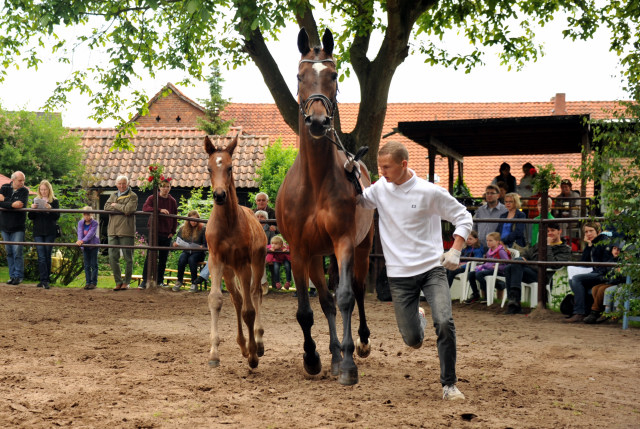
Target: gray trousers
[[114, 259], [405, 292]]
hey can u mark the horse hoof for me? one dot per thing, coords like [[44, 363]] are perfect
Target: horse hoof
[[312, 368], [260, 350], [349, 377], [214, 363], [335, 368], [253, 363], [363, 350]]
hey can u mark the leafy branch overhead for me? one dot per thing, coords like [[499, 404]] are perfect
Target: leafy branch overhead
[[142, 37]]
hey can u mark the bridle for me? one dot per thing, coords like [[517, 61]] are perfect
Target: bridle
[[329, 105]]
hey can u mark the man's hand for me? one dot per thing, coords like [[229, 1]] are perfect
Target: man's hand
[[451, 259], [17, 204]]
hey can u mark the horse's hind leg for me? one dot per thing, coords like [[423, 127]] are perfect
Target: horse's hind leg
[[304, 315], [215, 305], [361, 269], [257, 269], [316, 273]]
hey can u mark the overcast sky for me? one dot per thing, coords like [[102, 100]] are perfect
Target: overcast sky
[[582, 70]]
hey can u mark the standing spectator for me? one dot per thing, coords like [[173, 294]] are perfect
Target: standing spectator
[[262, 203], [492, 209], [506, 177], [502, 186], [262, 215], [472, 249], [410, 213], [14, 196], [567, 205], [44, 229], [121, 230], [166, 229], [496, 251], [88, 234], [191, 235], [525, 187], [596, 250], [515, 274], [512, 234]]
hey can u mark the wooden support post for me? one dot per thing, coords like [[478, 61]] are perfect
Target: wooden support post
[[542, 250], [152, 255]]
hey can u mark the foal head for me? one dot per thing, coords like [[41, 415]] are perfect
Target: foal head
[[317, 84], [220, 169]]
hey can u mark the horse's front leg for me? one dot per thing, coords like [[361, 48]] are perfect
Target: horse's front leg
[[316, 273], [248, 312], [311, 358], [348, 373], [215, 305], [257, 269], [236, 300], [360, 271]]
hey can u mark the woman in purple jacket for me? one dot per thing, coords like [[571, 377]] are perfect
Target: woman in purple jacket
[[88, 234]]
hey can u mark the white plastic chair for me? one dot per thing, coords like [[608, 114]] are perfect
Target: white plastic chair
[[463, 278], [491, 280], [529, 291]]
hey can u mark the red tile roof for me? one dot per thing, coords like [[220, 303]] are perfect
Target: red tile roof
[[180, 150]]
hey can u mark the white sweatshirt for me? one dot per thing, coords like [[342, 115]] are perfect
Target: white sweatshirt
[[410, 216]]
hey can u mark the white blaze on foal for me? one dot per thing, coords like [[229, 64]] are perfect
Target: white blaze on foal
[[218, 162]]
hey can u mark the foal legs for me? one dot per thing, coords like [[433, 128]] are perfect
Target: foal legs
[[215, 305]]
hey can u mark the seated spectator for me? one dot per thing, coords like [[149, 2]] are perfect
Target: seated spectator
[[492, 209], [279, 260], [506, 177], [201, 279], [473, 249], [525, 187], [88, 234], [598, 291], [191, 235], [596, 250], [535, 229], [515, 274], [512, 234], [496, 251]]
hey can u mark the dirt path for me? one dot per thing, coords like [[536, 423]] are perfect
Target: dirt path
[[136, 359]]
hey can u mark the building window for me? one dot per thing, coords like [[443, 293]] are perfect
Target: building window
[[158, 118]]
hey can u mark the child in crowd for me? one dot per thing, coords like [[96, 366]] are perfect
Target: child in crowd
[[87, 234], [496, 251], [473, 249], [190, 235], [598, 292], [278, 260]]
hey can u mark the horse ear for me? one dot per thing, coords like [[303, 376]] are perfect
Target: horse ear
[[327, 42], [232, 146], [303, 42], [208, 146]]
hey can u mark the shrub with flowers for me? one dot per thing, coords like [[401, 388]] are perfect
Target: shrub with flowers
[[544, 178], [156, 176]]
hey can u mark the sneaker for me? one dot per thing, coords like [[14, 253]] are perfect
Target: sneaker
[[177, 286], [193, 288], [197, 281], [474, 298], [592, 318], [164, 286], [451, 393], [39, 284], [576, 318], [287, 285], [45, 285], [90, 286], [513, 308], [142, 285], [16, 281], [278, 285], [422, 317]]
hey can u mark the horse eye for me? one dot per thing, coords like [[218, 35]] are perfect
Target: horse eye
[[229, 170], [334, 76], [299, 78], [209, 169]]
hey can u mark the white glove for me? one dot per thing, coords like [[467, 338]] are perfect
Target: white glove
[[451, 259], [351, 165]]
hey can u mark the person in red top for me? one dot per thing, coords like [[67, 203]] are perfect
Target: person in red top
[[166, 229]]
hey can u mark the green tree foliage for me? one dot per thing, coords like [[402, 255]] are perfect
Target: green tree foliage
[[277, 161], [193, 35], [213, 124], [39, 146], [615, 163]]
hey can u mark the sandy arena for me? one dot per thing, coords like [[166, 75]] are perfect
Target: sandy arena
[[134, 359]]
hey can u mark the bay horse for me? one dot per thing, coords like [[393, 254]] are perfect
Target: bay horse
[[317, 214], [237, 250]]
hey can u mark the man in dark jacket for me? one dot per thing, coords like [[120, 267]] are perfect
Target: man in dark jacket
[[516, 274], [14, 196]]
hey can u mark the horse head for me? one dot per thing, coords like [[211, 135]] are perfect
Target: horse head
[[317, 84], [220, 169]]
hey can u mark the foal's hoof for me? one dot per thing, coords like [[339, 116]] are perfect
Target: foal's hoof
[[253, 362], [260, 350], [348, 377], [363, 350], [214, 363], [313, 367]]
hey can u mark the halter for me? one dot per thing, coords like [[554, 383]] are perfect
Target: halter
[[329, 105]]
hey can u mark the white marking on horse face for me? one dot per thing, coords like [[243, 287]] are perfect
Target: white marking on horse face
[[219, 161], [318, 67]]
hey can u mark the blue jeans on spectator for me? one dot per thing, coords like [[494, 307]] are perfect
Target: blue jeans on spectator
[[451, 274], [276, 272], [580, 285], [44, 256], [514, 275], [90, 265], [14, 254], [405, 292], [476, 277], [191, 258]]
